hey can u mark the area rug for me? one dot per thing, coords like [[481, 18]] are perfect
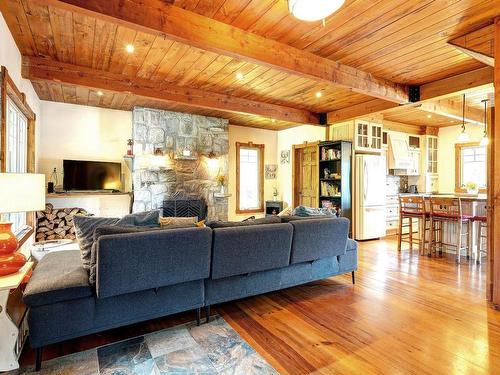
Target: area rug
[[213, 348]]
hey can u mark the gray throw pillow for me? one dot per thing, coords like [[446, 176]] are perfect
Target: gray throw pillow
[[287, 219], [106, 230], [84, 230], [230, 224], [141, 219]]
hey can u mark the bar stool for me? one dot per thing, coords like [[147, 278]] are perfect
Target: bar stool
[[449, 211], [482, 223], [413, 207]]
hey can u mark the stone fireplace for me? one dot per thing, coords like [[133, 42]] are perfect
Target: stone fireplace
[[179, 153]]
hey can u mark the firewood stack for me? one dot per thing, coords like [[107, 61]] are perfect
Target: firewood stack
[[56, 224]]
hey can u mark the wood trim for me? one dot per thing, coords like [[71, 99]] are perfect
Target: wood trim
[[3, 120], [48, 70], [458, 149], [404, 128], [159, 18], [494, 228], [261, 147], [492, 254]]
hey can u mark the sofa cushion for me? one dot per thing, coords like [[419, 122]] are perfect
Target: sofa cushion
[[246, 222], [312, 211], [104, 230], [242, 250], [84, 229], [141, 219], [59, 276], [131, 262], [318, 238]]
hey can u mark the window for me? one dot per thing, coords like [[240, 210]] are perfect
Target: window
[[17, 144], [470, 166], [16, 153], [249, 177]]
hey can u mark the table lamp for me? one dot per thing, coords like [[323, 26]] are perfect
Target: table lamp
[[19, 192]]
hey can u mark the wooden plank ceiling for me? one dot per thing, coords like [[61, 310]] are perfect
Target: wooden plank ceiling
[[402, 42]]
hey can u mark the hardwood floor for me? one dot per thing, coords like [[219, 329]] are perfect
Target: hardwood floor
[[407, 314]]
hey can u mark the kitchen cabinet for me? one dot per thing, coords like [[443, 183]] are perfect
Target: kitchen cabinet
[[414, 169], [429, 183], [365, 135]]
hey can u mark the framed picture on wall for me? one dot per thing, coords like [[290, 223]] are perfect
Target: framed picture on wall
[[285, 157], [271, 171]]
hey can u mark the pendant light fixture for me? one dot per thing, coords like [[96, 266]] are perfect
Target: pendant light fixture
[[485, 140], [313, 10], [463, 137]]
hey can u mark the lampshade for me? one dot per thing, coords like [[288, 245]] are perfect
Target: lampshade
[[313, 10], [22, 192]]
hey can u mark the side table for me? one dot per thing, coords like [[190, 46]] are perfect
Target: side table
[[13, 336]]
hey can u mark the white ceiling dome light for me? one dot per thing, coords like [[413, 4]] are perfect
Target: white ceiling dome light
[[313, 10]]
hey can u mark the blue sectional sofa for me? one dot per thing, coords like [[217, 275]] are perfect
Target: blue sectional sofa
[[142, 276]]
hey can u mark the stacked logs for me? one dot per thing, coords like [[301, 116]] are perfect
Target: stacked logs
[[56, 224]]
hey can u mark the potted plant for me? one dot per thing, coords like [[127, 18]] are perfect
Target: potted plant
[[472, 187]]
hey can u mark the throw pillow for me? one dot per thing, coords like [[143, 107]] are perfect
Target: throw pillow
[[141, 219], [84, 230], [230, 224], [286, 212], [178, 221], [287, 219]]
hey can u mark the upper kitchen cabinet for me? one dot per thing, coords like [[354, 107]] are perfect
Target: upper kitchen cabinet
[[431, 155], [365, 136]]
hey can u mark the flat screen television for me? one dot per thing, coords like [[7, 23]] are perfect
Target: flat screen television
[[84, 175]]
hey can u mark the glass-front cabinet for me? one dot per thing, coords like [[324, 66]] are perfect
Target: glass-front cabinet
[[432, 149], [365, 135]]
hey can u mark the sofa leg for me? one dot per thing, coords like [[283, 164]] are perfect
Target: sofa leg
[[207, 313], [353, 277], [198, 316], [38, 359]]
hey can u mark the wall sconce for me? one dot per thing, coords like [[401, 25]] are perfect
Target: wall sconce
[[212, 161]]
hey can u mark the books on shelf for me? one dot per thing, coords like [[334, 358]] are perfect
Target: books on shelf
[[330, 154], [329, 189]]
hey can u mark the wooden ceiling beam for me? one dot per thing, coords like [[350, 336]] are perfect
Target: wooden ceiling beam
[[40, 69], [485, 59], [168, 21], [460, 84], [453, 110]]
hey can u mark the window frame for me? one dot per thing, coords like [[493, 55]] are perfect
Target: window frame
[[260, 148], [8, 89], [458, 165]]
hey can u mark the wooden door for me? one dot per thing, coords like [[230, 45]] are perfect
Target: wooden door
[[306, 177]]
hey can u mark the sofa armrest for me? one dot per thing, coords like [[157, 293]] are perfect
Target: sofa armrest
[[133, 262], [59, 276]]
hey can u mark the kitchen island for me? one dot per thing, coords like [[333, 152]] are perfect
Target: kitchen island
[[472, 205]]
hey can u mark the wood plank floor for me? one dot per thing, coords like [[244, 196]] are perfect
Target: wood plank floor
[[407, 314]]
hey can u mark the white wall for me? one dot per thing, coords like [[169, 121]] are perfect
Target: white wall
[[287, 138], [258, 136], [71, 131], [447, 138], [10, 57]]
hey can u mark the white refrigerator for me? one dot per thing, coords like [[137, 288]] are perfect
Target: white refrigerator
[[369, 198]]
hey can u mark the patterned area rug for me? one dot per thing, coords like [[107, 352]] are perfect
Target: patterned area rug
[[213, 348]]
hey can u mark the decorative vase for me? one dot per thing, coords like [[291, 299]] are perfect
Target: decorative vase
[[10, 260], [222, 190]]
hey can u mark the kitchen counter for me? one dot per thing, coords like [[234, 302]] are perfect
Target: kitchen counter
[[463, 196]]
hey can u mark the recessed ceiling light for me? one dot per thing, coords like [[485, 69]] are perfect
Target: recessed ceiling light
[[100, 93], [273, 120], [319, 94], [130, 48], [429, 116], [239, 76]]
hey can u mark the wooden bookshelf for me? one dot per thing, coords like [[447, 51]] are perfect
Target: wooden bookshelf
[[335, 160]]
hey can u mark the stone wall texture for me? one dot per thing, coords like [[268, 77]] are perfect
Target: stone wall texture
[[193, 176]]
